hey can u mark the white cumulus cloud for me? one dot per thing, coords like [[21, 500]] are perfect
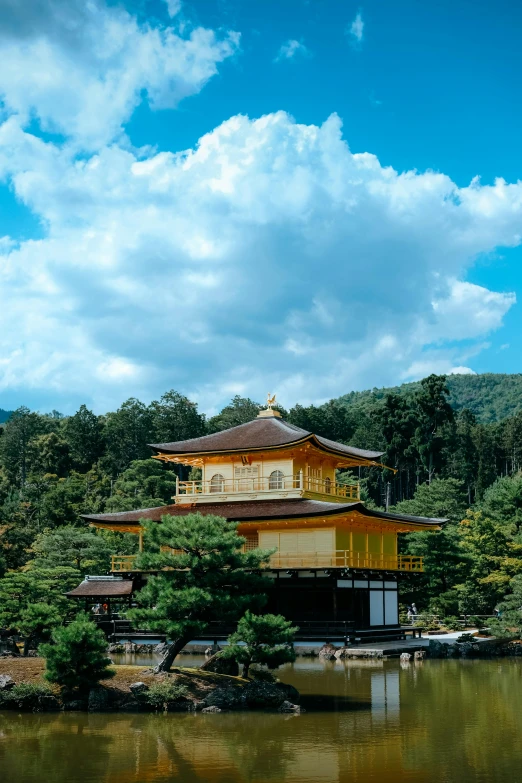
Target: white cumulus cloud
[[81, 68], [269, 256]]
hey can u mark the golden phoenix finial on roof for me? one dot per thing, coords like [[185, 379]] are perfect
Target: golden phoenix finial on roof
[[270, 400]]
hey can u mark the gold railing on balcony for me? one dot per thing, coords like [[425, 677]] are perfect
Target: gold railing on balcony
[[269, 484], [347, 559], [338, 559], [123, 562]]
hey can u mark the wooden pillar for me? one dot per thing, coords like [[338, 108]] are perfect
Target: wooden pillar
[[140, 544]]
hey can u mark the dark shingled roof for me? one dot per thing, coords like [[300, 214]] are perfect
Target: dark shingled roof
[[103, 588], [248, 510], [261, 433]]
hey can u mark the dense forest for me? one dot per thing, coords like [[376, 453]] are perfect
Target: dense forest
[[490, 396], [441, 462]]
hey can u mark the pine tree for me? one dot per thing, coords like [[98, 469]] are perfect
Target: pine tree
[[208, 577], [265, 639], [84, 434], [77, 657]]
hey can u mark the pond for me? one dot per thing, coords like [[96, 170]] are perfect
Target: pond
[[432, 722]]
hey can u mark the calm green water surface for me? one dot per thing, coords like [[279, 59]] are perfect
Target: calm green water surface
[[435, 721]]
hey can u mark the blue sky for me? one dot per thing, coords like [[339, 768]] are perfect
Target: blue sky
[[241, 196]]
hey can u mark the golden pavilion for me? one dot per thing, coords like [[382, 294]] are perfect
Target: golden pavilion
[[335, 559]]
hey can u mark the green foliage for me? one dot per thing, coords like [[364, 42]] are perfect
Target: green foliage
[[38, 620], [146, 483], [24, 695], [84, 433], [175, 417], [209, 577], [427, 622], [240, 410], [33, 602], [261, 639], [476, 622], [432, 413], [127, 433], [490, 397], [72, 546], [452, 623], [330, 420], [77, 657], [160, 694], [466, 638], [15, 444]]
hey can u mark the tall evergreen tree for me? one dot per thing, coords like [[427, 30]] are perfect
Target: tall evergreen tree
[[433, 411], [84, 434], [175, 417], [20, 430], [128, 432]]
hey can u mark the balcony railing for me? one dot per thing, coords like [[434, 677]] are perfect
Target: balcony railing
[[224, 486], [338, 559], [347, 559]]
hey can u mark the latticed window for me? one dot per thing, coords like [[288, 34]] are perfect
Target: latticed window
[[328, 485], [276, 480], [246, 477], [252, 542], [217, 483]]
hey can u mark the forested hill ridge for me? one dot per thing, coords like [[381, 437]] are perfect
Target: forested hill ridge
[[4, 415], [490, 396]]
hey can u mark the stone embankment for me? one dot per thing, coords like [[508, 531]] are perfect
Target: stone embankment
[[478, 648]]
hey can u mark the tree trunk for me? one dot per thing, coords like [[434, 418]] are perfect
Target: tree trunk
[[172, 650], [27, 643], [246, 669]]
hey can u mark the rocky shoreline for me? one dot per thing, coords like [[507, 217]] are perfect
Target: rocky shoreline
[[139, 690]]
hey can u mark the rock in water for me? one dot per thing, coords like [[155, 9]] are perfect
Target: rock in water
[[289, 692], [211, 709], [219, 665], [287, 706], [98, 700], [420, 655], [405, 657], [6, 682], [328, 651]]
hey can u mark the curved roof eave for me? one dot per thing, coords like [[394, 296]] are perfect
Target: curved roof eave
[[266, 510]]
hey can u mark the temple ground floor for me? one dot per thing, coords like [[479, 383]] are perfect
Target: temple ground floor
[[326, 604]]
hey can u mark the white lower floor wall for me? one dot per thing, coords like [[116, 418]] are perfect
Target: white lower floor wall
[[384, 607]]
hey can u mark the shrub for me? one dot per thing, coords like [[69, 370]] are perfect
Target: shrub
[[452, 623], [77, 658], [24, 696], [476, 622], [428, 622], [465, 638], [161, 693]]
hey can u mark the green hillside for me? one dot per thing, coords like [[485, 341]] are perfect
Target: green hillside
[[4, 415], [490, 396]]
